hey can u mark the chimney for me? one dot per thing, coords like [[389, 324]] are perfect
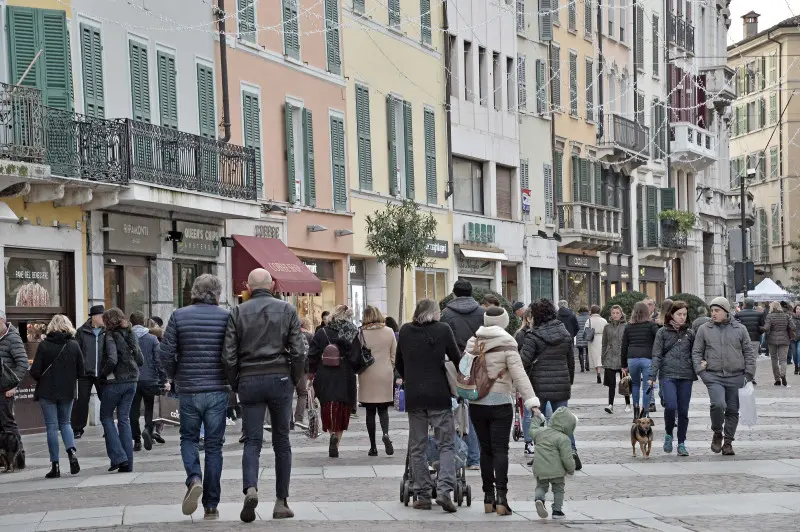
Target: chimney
[[750, 24]]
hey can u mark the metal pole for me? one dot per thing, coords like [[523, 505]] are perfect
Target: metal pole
[[744, 236]]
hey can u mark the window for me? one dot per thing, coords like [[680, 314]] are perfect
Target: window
[[656, 47], [549, 206], [773, 108], [92, 60], [205, 99], [140, 81], [774, 162], [623, 19], [522, 83], [497, 76], [776, 224], [541, 87], [556, 11], [520, 16], [555, 74], [773, 68], [247, 20], [573, 84], [291, 29], [332, 47], [572, 15], [425, 20], [587, 18], [251, 119], [511, 86], [638, 12], [546, 19], [469, 79], [541, 284], [483, 77], [612, 94], [338, 165], [431, 192], [468, 186], [299, 130], [611, 15], [761, 166], [505, 197], [431, 284], [558, 170], [401, 147], [359, 6], [589, 90], [364, 138], [394, 14], [638, 112], [167, 91], [454, 79], [659, 130]]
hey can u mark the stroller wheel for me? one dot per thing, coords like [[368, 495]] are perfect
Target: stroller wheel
[[458, 495], [402, 491], [469, 495], [517, 433], [406, 492]]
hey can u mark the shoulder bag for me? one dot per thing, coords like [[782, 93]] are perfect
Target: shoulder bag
[[8, 379], [588, 331], [365, 358]]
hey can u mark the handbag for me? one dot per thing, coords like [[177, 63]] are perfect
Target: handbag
[[624, 387], [365, 358], [8, 379], [331, 356], [588, 331], [312, 414]]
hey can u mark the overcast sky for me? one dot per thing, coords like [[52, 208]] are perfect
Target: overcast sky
[[771, 11]]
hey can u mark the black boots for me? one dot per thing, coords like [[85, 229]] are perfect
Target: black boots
[[74, 466], [137, 445], [55, 472], [333, 447], [489, 505], [501, 504]]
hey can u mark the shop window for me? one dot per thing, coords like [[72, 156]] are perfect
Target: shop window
[[183, 276], [541, 284], [128, 287], [468, 190], [510, 286], [431, 284], [33, 282]]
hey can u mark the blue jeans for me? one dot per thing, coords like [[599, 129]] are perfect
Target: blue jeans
[[796, 353], [56, 416], [639, 369], [677, 394], [257, 393], [548, 407], [118, 396], [473, 445], [207, 409], [526, 424]]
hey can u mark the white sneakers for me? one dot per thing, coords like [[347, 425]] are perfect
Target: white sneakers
[[610, 409], [628, 408]]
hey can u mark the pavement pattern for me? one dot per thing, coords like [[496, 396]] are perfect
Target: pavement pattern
[[759, 488]]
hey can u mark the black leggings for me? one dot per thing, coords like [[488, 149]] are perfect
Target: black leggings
[[611, 390], [383, 415]]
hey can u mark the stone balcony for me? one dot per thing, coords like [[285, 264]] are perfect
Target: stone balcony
[[588, 226], [720, 82], [692, 147], [665, 244], [624, 141]]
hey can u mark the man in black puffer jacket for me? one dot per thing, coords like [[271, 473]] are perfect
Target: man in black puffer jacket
[[753, 320], [191, 353], [463, 314]]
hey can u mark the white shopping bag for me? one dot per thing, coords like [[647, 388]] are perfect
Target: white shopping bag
[[747, 405]]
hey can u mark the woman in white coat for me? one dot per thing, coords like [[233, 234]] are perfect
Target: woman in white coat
[[598, 323]]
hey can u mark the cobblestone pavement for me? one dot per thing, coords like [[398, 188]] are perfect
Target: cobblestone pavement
[[758, 488]]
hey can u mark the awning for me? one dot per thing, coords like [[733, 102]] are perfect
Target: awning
[[291, 276], [488, 255]]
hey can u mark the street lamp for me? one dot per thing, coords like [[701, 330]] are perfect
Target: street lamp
[[751, 173]]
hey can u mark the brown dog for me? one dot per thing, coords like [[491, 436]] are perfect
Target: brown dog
[[642, 433]]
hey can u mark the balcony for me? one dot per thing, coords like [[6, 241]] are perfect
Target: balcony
[[692, 147], [588, 226], [681, 33], [720, 82], [733, 209], [625, 141], [667, 242]]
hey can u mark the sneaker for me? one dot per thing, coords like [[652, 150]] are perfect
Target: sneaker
[[147, 440], [558, 514], [422, 504], [667, 443], [248, 514], [474, 467], [682, 450], [193, 494], [610, 409], [541, 509], [281, 510], [628, 409], [778, 383], [446, 503], [530, 462], [727, 449], [716, 443], [529, 447], [210, 514], [578, 463]]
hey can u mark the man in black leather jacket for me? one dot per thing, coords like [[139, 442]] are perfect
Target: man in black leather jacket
[[264, 356]]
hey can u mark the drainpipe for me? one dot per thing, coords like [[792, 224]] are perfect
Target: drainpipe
[[223, 65], [780, 143], [600, 114], [668, 76], [448, 87]]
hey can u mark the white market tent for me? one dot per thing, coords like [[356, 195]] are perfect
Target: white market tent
[[767, 290]]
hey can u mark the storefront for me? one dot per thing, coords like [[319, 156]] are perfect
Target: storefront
[[542, 260], [652, 281], [616, 279], [579, 280], [196, 253], [313, 305], [432, 282]]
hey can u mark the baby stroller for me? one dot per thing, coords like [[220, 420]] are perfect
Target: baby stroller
[[462, 490], [518, 415]]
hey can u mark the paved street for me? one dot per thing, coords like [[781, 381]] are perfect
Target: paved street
[[760, 487]]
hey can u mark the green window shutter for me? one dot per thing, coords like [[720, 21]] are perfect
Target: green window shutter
[[558, 167], [92, 61], [140, 81], [598, 183], [167, 90], [639, 216], [425, 19], [555, 73], [408, 133], [430, 157], [573, 84], [667, 199], [652, 216], [332, 45], [556, 11], [339, 168], [251, 111], [364, 138], [205, 101], [549, 208], [576, 179], [776, 224], [247, 20], [57, 82], [572, 14], [291, 29], [391, 135], [773, 108], [359, 6], [656, 49], [764, 234], [589, 90], [394, 13], [24, 42], [291, 170], [762, 112], [545, 21], [586, 187], [524, 176], [773, 161], [639, 51], [541, 90], [521, 16], [308, 159]]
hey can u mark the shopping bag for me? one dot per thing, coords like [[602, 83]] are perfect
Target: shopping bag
[[747, 405], [312, 414], [400, 398]]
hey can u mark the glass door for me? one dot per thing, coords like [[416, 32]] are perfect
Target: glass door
[[113, 287]]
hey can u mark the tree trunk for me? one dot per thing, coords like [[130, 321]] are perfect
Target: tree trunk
[[402, 296]]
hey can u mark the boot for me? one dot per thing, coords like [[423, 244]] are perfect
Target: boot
[[727, 448], [281, 510], [387, 445], [333, 447], [783, 381], [636, 412], [716, 442], [248, 514], [502, 507], [74, 466], [489, 505], [55, 472], [137, 445]]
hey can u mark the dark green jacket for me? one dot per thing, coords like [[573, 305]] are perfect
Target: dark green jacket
[[553, 447]]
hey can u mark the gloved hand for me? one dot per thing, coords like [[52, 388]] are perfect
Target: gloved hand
[[532, 403]]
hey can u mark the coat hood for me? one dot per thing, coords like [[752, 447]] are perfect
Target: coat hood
[[59, 337], [565, 312], [463, 305], [140, 330], [553, 332], [493, 337], [564, 421]]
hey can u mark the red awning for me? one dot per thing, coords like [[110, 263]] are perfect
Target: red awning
[[289, 273]]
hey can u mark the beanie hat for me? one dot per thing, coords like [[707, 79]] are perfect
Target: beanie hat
[[495, 316], [518, 306], [721, 302]]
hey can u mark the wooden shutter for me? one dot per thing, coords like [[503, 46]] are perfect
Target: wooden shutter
[[667, 199], [640, 216], [308, 159], [92, 61], [589, 90], [541, 90], [332, 43], [773, 161], [763, 237], [425, 20], [549, 207], [359, 6], [576, 178], [394, 12], [247, 20], [391, 136], [408, 133], [587, 17], [652, 216], [167, 90], [762, 112], [586, 186], [431, 191], [24, 41], [558, 168], [524, 176], [598, 184], [520, 16], [522, 87], [291, 29], [639, 44], [205, 100], [656, 47], [364, 138], [140, 82], [338, 169], [251, 110], [57, 83], [773, 108], [572, 14], [504, 195], [776, 224], [291, 170], [573, 84], [545, 21], [555, 73]]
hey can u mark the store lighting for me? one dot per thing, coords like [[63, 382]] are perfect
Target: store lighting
[[556, 237], [174, 236], [316, 228], [343, 232], [542, 234], [227, 241]]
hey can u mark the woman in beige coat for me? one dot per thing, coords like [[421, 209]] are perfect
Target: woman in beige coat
[[376, 383], [598, 323]]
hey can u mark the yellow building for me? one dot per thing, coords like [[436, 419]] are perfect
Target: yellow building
[[396, 131]]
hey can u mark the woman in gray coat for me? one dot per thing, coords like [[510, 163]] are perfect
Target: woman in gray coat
[[780, 330], [611, 356], [672, 361]]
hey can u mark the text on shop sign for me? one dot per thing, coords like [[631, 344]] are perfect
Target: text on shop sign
[[27, 274]]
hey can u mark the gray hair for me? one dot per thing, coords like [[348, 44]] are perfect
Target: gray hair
[[427, 311], [749, 302], [701, 310], [342, 313], [563, 304], [2, 315], [206, 289]]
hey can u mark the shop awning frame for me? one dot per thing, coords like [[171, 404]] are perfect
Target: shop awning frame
[[291, 276], [486, 255]]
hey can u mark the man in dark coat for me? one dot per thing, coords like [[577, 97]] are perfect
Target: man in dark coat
[[568, 318], [152, 379], [753, 320], [91, 337], [13, 356]]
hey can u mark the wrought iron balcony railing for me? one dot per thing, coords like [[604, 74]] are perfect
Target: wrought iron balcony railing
[[680, 32], [672, 238], [626, 134], [21, 134]]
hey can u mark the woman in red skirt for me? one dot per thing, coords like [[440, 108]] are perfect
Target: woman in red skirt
[[334, 377]]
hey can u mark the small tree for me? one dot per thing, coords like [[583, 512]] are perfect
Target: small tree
[[794, 287], [398, 236], [626, 300]]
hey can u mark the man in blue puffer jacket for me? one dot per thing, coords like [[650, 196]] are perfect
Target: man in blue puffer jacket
[[191, 352], [152, 379]]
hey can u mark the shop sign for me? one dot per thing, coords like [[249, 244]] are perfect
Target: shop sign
[[578, 261], [198, 239], [323, 269], [526, 201], [358, 270], [437, 249], [479, 233], [132, 234], [476, 267], [267, 231], [650, 273], [624, 273]]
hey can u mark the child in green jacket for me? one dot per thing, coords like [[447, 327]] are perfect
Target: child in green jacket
[[553, 460]]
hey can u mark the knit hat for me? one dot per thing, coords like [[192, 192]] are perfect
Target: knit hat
[[518, 305], [495, 316], [721, 302]]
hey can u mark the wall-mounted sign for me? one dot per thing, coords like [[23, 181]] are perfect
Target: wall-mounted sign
[[198, 239], [476, 267], [479, 233], [437, 249], [358, 270], [650, 273], [578, 261], [323, 269], [526, 200], [132, 234], [267, 231]]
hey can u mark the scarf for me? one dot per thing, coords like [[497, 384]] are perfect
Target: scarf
[[346, 329], [373, 326]]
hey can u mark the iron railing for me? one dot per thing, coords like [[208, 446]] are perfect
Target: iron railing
[[680, 32], [21, 134], [626, 133], [672, 238]]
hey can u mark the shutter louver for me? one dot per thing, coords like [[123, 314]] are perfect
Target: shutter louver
[[549, 207], [586, 188], [558, 175], [247, 20], [598, 183], [391, 135], [92, 58], [764, 240], [167, 92], [639, 52], [359, 6], [57, 83], [291, 29], [408, 133], [394, 13], [520, 16], [576, 179], [252, 135], [425, 20], [338, 169], [503, 178], [308, 159], [652, 216], [587, 17], [140, 97], [522, 86], [667, 199], [572, 14], [332, 44], [640, 216], [24, 43], [541, 90], [205, 99], [555, 73], [545, 21], [291, 169], [589, 90], [524, 177], [431, 191], [656, 47], [573, 84], [364, 138]]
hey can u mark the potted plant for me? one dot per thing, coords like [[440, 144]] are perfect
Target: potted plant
[[683, 221]]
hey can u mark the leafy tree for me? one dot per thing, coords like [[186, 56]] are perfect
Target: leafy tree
[[514, 322], [693, 302], [794, 287], [398, 236], [626, 300]]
